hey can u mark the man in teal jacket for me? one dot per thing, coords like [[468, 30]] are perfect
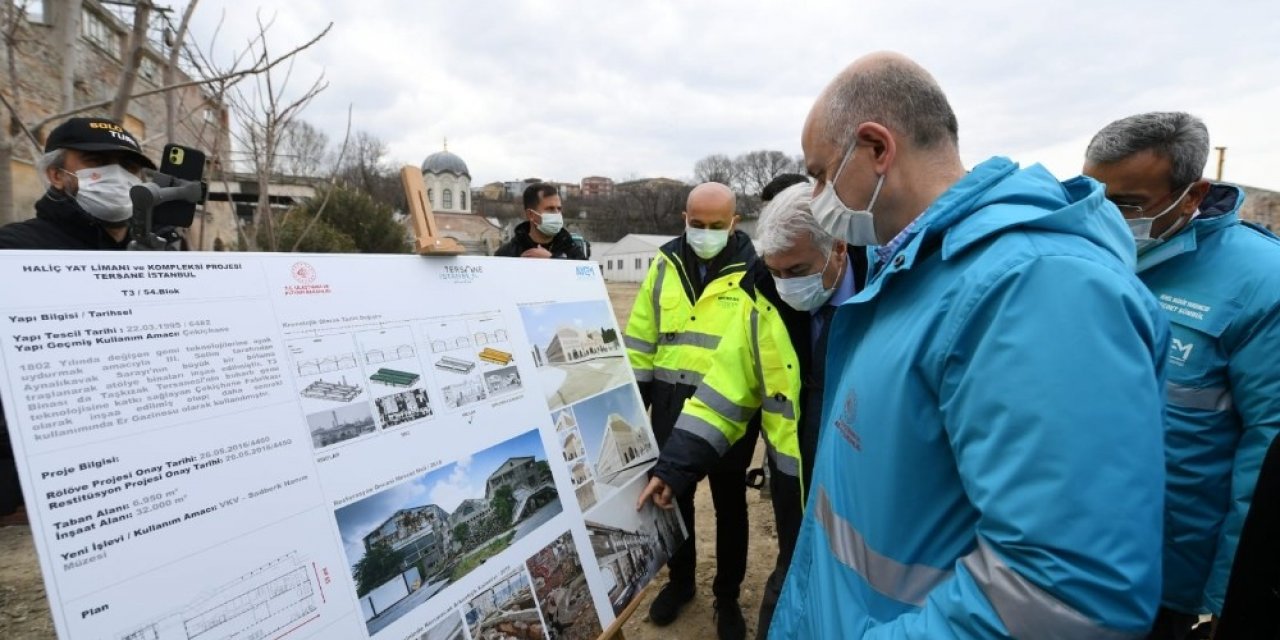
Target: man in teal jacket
[[1218, 281], [991, 463]]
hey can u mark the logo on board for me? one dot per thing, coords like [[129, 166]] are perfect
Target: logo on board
[[305, 275]]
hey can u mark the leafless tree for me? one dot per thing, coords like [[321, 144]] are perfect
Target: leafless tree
[[65, 14], [716, 168], [265, 108], [302, 150], [757, 168]]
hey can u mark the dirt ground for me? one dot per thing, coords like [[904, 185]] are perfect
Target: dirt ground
[[24, 611]]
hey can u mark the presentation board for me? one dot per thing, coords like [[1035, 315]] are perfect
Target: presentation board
[[227, 445]]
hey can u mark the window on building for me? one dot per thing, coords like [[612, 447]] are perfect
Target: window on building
[[35, 12], [431, 197], [96, 29], [463, 196], [638, 262], [448, 199], [149, 70], [650, 261]]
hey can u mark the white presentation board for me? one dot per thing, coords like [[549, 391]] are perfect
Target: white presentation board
[[229, 445]]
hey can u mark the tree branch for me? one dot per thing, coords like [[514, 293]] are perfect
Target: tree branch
[[255, 70], [333, 183]]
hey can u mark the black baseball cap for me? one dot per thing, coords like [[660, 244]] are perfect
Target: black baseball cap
[[96, 134]]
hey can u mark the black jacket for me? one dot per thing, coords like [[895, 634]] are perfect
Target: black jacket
[[59, 224], [561, 246]]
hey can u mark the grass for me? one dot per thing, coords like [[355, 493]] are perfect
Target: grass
[[478, 557]]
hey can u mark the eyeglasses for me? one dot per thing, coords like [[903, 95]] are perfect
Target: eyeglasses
[[1136, 211]]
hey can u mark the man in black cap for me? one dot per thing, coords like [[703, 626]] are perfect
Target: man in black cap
[[89, 164]]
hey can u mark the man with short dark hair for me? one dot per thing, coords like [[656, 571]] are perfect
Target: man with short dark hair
[[1218, 281], [990, 461], [89, 165], [779, 183], [542, 234]]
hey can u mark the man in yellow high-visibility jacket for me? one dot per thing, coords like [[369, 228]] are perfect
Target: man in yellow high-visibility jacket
[[698, 297]]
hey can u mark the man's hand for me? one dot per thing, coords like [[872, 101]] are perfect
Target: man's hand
[[659, 491], [536, 252]]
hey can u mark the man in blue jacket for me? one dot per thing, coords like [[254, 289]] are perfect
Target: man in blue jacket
[[1218, 281], [990, 463]]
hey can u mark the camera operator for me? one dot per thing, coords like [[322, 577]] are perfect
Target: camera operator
[[89, 165]]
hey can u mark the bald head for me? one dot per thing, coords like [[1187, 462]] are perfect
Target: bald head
[[890, 89], [711, 205]]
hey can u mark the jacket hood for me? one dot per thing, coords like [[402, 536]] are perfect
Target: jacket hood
[[1221, 199], [998, 196]]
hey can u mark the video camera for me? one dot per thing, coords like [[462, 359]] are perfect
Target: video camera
[[168, 200]]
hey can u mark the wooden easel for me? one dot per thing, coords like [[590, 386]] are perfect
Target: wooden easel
[[430, 242], [614, 632]]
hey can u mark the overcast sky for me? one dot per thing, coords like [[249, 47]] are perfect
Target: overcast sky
[[570, 88]]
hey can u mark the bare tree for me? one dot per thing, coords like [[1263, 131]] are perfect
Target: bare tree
[[757, 168], [265, 109], [12, 22], [302, 150], [716, 168], [66, 16], [171, 71], [133, 59]]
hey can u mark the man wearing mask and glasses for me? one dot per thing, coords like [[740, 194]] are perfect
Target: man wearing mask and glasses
[[1218, 281], [990, 460], [542, 234], [699, 298], [89, 165]]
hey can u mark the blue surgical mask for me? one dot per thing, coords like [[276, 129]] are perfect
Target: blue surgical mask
[[552, 222], [805, 293], [707, 243], [855, 226]]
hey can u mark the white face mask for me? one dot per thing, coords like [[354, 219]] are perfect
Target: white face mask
[[1141, 227], [552, 222], [805, 293], [857, 227], [707, 243], [104, 192]]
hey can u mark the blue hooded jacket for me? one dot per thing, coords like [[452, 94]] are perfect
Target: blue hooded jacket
[[1218, 282], [991, 462]]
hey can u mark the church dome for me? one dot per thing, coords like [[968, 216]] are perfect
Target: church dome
[[442, 162]]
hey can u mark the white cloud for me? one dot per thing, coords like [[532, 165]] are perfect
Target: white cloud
[[458, 486], [645, 88]]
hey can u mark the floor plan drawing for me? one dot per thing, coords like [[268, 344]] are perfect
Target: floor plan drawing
[[263, 604]]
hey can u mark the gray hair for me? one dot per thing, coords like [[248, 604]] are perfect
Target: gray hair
[[1180, 137], [56, 159], [786, 218], [897, 94]]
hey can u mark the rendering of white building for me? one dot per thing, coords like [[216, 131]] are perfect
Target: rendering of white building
[[623, 444]]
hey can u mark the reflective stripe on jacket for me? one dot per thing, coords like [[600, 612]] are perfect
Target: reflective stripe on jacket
[[991, 459], [1218, 282]]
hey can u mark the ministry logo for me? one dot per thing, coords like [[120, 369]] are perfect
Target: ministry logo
[[305, 275]]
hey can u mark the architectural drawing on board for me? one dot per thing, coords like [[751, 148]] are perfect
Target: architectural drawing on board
[[455, 365], [385, 354], [326, 364], [502, 380], [406, 406], [338, 425], [336, 391], [463, 393], [394, 378], [495, 356], [267, 601]]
